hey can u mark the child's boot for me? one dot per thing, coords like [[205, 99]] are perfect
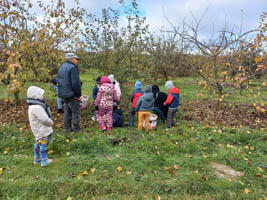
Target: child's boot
[[36, 153], [44, 160], [109, 130], [102, 127]]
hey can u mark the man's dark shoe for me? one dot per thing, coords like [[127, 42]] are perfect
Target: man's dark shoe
[[60, 111], [80, 131]]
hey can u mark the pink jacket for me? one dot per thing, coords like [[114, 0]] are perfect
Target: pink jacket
[[106, 94]]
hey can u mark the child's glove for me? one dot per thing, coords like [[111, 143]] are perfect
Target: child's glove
[[96, 108]]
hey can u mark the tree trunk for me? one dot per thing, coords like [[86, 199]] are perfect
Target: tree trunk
[[16, 97]]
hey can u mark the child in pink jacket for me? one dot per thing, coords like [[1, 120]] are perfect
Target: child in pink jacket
[[104, 103]]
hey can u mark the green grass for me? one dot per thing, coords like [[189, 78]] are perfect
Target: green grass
[[189, 88], [144, 156], [147, 160]]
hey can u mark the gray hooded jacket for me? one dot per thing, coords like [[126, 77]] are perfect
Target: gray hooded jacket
[[145, 102]]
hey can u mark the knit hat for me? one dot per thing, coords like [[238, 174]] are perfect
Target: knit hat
[[105, 79], [169, 85], [138, 85], [148, 89], [71, 55], [111, 77]]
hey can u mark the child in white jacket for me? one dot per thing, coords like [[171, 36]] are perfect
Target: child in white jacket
[[41, 124]]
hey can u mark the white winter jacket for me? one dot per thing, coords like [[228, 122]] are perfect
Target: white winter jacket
[[116, 86], [118, 89], [41, 124]]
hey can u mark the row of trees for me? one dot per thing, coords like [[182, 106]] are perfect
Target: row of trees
[[33, 48]]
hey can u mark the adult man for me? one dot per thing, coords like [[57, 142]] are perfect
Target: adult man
[[160, 109], [69, 89]]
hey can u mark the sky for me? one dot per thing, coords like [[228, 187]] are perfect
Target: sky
[[160, 12]]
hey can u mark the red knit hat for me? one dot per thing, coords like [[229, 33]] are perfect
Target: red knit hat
[[105, 79]]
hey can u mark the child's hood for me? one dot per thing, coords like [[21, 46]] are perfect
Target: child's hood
[[35, 92], [155, 89], [105, 79], [148, 96]]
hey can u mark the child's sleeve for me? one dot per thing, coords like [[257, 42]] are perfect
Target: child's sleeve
[[43, 117], [169, 99], [98, 98], [132, 97], [95, 90], [138, 104], [115, 95]]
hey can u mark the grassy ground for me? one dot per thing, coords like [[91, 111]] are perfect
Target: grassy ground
[[173, 164]]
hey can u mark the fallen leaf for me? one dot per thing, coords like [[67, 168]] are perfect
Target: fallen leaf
[[80, 175], [128, 172], [260, 169], [107, 157], [166, 168], [50, 152], [117, 156], [176, 167], [247, 191], [119, 168], [6, 151], [92, 170], [85, 172]]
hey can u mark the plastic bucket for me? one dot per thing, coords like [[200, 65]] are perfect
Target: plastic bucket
[[153, 121], [84, 101]]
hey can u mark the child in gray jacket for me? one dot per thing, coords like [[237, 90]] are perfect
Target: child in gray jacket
[[144, 108]]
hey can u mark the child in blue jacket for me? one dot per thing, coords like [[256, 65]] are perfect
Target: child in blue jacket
[[173, 102]]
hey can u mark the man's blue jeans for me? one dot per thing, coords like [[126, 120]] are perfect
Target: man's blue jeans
[[159, 112]]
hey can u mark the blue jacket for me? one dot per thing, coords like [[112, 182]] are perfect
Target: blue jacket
[[173, 98], [69, 84], [95, 91], [117, 118]]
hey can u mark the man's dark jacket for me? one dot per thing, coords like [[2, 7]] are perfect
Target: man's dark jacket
[[160, 98], [69, 84]]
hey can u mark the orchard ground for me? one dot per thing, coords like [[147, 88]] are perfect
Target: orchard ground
[[175, 164]]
